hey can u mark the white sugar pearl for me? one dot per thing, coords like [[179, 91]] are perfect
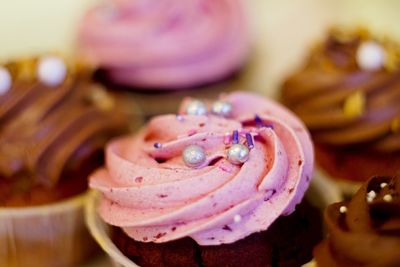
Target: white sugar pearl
[[342, 209], [196, 107], [194, 156], [238, 154], [5, 81], [51, 71], [388, 198], [371, 195], [222, 108], [237, 218], [370, 56]]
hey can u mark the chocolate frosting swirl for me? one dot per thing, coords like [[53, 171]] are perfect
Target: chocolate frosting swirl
[[342, 103], [46, 132], [366, 230]]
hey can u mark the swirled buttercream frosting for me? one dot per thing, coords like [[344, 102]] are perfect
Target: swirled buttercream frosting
[[166, 44], [364, 231], [152, 193], [52, 124], [348, 93]]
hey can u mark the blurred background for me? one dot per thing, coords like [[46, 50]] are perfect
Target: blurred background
[[282, 29]]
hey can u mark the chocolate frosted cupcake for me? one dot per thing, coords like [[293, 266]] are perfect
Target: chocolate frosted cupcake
[[219, 184], [53, 126], [366, 230], [165, 44], [348, 95]]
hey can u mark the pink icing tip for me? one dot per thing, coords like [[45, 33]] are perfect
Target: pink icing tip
[[166, 44], [146, 198], [227, 138]]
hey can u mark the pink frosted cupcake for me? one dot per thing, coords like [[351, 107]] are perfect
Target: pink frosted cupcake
[[166, 44], [199, 187]]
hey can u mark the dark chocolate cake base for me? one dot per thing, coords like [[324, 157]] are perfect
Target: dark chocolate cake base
[[287, 243], [356, 165]]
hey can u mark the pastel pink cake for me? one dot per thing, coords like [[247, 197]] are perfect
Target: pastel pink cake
[[214, 176], [166, 44]]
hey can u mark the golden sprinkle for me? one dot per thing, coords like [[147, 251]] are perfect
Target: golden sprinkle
[[101, 98], [26, 69], [354, 104], [395, 125]]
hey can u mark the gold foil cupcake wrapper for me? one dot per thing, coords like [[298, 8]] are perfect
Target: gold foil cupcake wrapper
[[45, 236]]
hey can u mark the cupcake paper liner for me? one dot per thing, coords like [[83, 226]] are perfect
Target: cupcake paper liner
[[321, 193], [47, 235]]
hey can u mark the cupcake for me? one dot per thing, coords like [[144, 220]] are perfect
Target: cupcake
[[53, 126], [365, 230], [348, 95], [220, 184], [165, 44]]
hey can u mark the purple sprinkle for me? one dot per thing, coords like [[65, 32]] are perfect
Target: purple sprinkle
[[157, 145], [268, 126], [235, 137], [250, 142], [258, 120], [179, 117]]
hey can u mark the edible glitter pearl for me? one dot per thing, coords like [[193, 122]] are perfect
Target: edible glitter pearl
[[370, 56], [5, 80], [194, 156], [221, 108], [238, 154], [51, 71], [197, 108]]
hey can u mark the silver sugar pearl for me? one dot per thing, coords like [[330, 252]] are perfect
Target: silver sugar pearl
[[238, 154], [5, 81], [52, 71], [194, 156], [197, 108], [222, 108], [370, 56]]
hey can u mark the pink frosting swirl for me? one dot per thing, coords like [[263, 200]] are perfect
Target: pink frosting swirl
[[166, 44], [154, 196]]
